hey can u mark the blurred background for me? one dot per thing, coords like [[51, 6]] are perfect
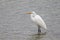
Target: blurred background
[[16, 25]]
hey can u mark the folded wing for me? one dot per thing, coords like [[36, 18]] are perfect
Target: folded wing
[[40, 21]]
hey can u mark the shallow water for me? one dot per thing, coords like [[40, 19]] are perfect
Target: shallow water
[[16, 25]]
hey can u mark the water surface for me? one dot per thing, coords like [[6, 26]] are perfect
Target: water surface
[[16, 25]]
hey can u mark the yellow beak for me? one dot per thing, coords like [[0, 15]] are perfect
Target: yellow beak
[[29, 13]]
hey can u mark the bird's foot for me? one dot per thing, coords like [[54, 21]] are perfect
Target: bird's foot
[[42, 33], [39, 31]]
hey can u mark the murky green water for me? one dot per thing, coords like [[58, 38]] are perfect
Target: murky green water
[[16, 25]]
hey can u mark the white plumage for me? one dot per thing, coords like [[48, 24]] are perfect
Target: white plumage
[[37, 20]]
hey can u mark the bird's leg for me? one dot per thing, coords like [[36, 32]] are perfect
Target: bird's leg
[[39, 30]]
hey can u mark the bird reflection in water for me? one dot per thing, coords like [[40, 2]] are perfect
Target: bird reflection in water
[[38, 36]]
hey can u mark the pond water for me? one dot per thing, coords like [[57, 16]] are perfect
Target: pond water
[[16, 25]]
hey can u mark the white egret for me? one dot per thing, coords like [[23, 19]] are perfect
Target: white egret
[[37, 20]]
